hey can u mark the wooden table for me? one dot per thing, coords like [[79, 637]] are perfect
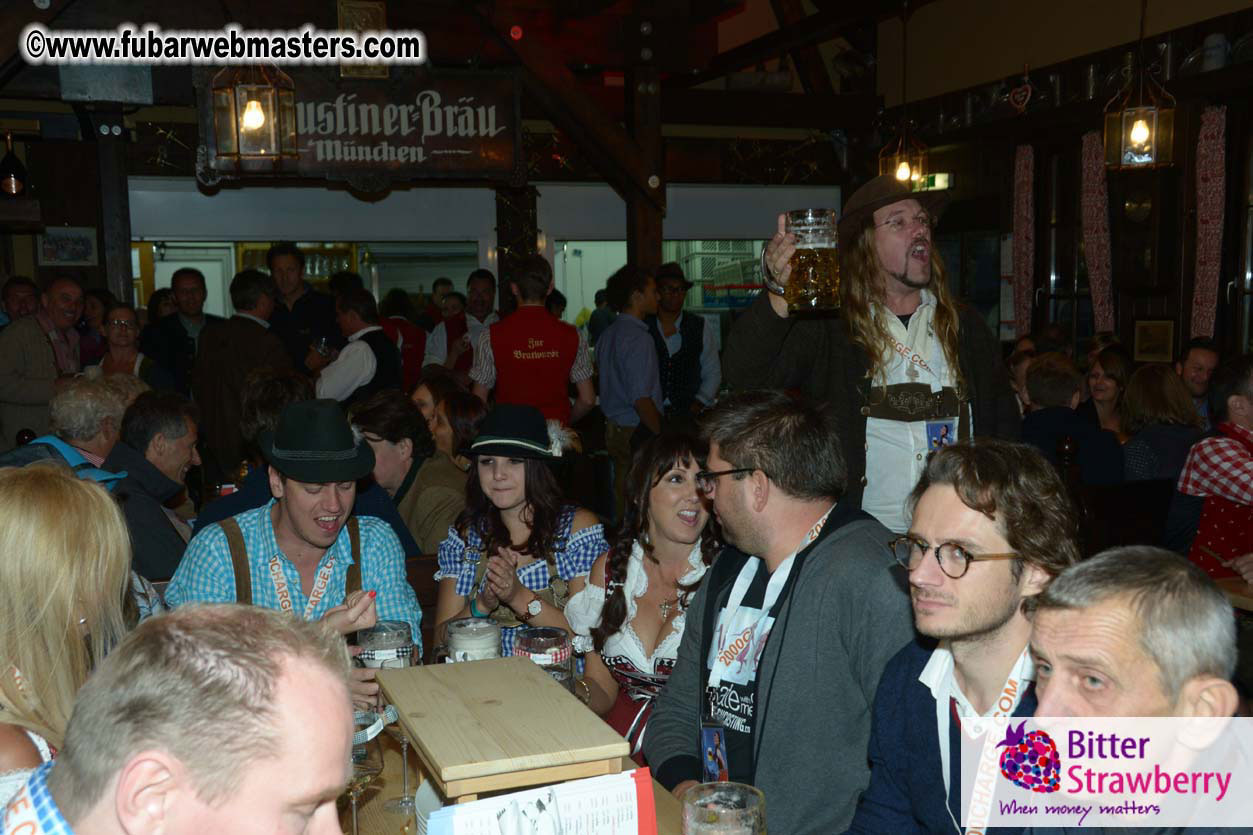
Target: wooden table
[[1238, 592], [489, 726], [372, 820]]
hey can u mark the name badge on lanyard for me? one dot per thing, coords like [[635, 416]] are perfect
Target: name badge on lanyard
[[315, 594]]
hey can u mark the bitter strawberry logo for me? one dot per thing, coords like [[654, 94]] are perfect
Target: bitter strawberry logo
[[1030, 760]]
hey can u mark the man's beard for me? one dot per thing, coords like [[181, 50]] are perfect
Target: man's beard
[[912, 283]]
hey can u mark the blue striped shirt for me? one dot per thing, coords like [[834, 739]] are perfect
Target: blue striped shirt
[[206, 575], [572, 553]]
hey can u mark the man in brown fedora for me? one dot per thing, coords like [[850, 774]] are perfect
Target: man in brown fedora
[[901, 365]]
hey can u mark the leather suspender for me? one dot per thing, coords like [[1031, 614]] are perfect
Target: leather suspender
[[243, 570]]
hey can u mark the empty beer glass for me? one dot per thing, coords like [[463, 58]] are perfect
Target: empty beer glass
[[724, 809], [814, 284]]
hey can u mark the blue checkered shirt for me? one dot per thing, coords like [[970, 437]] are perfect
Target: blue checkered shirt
[[572, 553], [47, 815], [206, 575]]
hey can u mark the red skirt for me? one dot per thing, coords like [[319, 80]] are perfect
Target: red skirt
[[623, 715]]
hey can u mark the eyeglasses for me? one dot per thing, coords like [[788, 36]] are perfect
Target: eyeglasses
[[122, 323], [705, 479], [898, 223], [954, 560]]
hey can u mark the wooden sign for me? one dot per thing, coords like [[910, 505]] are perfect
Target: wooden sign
[[417, 125]]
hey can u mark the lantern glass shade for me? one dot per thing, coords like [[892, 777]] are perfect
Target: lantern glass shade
[[254, 119], [1140, 123], [906, 159]]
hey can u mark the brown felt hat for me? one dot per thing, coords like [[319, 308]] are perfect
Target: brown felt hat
[[883, 190]]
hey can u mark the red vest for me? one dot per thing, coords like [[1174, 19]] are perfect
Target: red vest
[[454, 329], [411, 340], [534, 352]]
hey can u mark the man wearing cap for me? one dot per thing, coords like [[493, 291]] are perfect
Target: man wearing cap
[[903, 363], [687, 351], [303, 551], [532, 357]]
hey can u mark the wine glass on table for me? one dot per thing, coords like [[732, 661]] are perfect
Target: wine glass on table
[[390, 644], [367, 765]]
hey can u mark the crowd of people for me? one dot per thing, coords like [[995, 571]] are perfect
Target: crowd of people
[[805, 583]]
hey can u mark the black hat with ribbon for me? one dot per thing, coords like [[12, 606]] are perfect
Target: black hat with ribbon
[[314, 443], [518, 431]]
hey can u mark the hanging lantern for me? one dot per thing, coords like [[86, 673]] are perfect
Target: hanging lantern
[[906, 156], [1140, 118], [254, 120]]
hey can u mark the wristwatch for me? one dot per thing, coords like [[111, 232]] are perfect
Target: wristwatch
[[532, 609]]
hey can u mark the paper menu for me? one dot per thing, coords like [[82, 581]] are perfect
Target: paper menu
[[614, 804]]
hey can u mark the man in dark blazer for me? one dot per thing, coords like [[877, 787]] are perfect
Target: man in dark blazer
[[177, 336], [992, 525], [228, 351]]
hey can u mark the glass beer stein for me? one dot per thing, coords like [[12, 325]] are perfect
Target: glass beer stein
[[814, 284]]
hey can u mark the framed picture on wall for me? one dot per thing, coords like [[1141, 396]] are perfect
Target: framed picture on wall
[[67, 246], [1155, 340]]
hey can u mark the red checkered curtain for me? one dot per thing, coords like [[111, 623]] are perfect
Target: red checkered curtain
[[1095, 208], [1024, 237], [1211, 173]]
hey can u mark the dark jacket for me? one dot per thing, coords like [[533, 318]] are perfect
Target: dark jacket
[[311, 318], [156, 545], [847, 614], [817, 356], [1099, 455], [906, 792], [1158, 451], [372, 500], [228, 352], [174, 349]]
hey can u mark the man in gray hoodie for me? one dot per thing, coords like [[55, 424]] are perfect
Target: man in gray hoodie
[[792, 709]]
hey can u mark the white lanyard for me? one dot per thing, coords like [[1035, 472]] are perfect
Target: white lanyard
[[749, 631], [729, 647], [315, 594], [1006, 704]]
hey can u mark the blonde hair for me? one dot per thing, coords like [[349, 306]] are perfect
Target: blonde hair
[[861, 290], [65, 556]]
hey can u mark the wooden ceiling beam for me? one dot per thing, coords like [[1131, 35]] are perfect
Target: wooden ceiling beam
[[815, 29], [807, 60], [567, 104], [11, 25]]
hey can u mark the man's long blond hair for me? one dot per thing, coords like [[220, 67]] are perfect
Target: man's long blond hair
[[862, 287], [65, 555]]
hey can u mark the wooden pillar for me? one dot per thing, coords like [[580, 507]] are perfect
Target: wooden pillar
[[644, 209], [516, 231], [111, 137]]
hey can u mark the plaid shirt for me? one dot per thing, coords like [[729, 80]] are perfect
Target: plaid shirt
[[573, 554], [33, 806], [206, 575], [1221, 465]]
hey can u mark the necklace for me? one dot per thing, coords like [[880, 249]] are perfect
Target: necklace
[[667, 605]]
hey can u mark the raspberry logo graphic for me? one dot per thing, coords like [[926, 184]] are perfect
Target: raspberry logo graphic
[[1030, 760]]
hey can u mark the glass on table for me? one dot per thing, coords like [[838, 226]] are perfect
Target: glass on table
[[549, 647], [724, 809], [473, 639], [367, 764], [814, 283], [389, 643]]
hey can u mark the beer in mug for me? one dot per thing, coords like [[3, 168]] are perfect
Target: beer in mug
[[814, 283]]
